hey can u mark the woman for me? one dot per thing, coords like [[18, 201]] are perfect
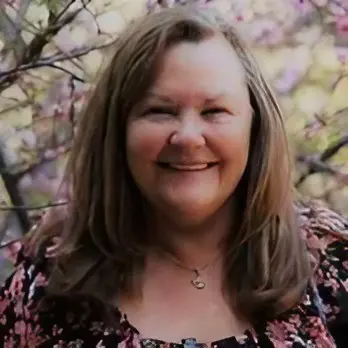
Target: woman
[[181, 228]]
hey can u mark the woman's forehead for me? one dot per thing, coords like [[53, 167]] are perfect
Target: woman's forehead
[[210, 69]]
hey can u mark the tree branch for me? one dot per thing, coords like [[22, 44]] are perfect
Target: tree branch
[[62, 12], [35, 207], [17, 175], [34, 49], [4, 76], [72, 105], [332, 150], [66, 71], [316, 164], [10, 182], [90, 12], [12, 37]]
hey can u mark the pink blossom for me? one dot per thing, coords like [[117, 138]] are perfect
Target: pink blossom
[[342, 24], [342, 54], [277, 331], [345, 284], [314, 242], [20, 327], [9, 342]]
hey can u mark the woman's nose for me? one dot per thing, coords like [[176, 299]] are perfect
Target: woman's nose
[[189, 134]]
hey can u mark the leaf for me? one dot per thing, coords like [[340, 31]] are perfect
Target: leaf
[[320, 3], [4, 197], [2, 42], [308, 35], [317, 143], [311, 99], [129, 9], [14, 92], [297, 63], [324, 55], [295, 123], [52, 5], [272, 61], [339, 97], [27, 36], [340, 158], [52, 132], [37, 14], [336, 8], [36, 197], [92, 63], [318, 75], [266, 31], [111, 22], [339, 199], [224, 6], [262, 7], [287, 105], [18, 117], [18, 155], [314, 185], [73, 37], [11, 29]]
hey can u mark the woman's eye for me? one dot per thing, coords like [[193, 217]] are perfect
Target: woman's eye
[[159, 111], [213, 111]]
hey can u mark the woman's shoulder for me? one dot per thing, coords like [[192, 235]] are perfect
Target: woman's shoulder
[[325, 232], [326, 237], [25, 267], [28, 317], [21, 293], [321, 221], [29, 270]]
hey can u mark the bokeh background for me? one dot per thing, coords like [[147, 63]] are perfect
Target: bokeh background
[[52, 50]]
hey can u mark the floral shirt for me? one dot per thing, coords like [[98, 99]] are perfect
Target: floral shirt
[[320, 320]]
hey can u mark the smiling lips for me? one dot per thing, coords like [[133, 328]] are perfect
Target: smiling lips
[[187, 166]]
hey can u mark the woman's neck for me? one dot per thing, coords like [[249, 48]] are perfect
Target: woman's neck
[[194, 245]]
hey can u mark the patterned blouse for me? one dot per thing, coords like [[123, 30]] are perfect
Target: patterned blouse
[[320, 320]]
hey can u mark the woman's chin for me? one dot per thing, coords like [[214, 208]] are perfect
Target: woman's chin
[[187, 209]]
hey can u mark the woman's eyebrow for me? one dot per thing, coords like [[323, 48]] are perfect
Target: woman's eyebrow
[[217, 97], [159, 96], [208, 99]]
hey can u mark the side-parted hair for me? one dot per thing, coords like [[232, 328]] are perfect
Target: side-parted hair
[[102, 232]]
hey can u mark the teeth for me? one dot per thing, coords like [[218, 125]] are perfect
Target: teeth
[[189, 166]]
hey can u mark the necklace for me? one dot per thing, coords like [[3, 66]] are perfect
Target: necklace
[[197, 282]]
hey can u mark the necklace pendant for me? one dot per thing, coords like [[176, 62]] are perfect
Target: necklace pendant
[[198, 283]]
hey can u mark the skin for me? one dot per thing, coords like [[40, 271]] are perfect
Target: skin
[[187, 148]]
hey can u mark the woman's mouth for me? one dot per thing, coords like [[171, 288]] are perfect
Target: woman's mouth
[[187, 166]]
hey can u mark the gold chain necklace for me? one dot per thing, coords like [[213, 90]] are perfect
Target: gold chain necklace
[[197, 282]]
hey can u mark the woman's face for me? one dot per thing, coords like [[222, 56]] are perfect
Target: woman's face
[[188, 142]]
